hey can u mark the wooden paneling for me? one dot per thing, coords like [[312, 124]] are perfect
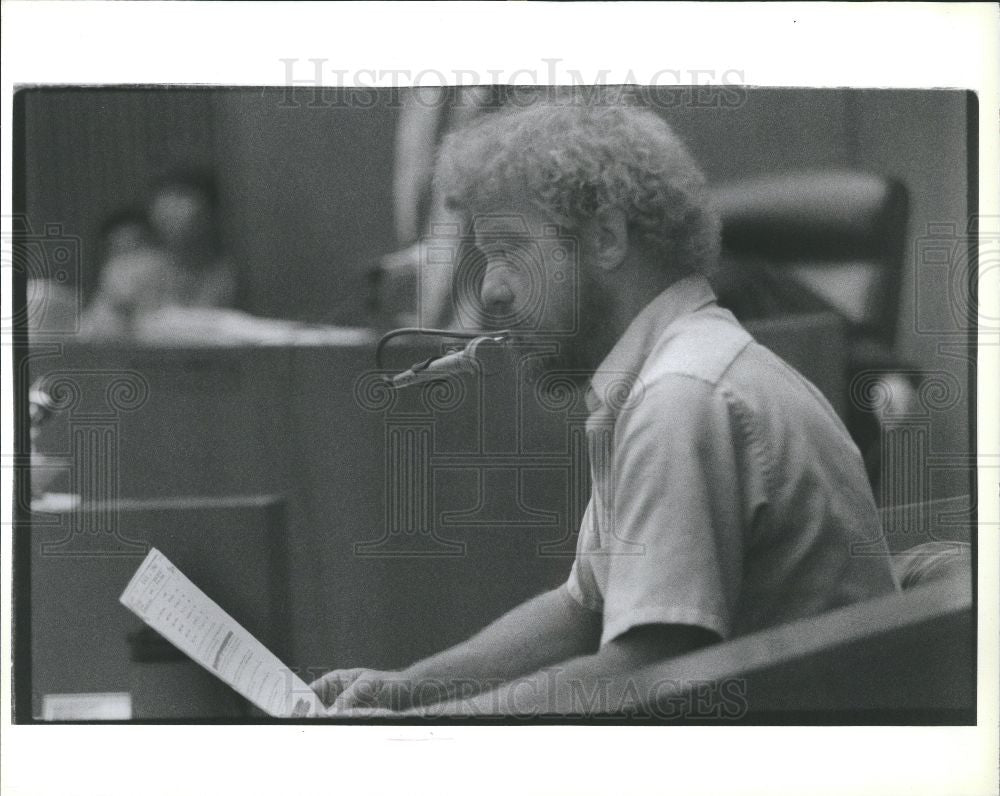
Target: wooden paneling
[[398, 576], [233, 549]]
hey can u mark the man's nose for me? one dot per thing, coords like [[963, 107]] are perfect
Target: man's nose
[[497, 293]]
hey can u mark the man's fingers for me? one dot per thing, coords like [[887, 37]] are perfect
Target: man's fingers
[[347, 699], [364, 692], [323, 687], [332, 684], [359, 688]]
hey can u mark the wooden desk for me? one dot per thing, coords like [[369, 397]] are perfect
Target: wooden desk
[[911, 653]]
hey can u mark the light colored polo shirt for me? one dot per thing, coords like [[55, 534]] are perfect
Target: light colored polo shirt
[[726, 493]]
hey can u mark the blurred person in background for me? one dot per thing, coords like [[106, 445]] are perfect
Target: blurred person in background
[[135, 277], [168, 257], [183, 214]]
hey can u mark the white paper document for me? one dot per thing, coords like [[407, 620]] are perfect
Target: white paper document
[[183, 614]]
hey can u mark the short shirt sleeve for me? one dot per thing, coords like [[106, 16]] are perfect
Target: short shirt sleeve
[[674, 541], [582, 583]]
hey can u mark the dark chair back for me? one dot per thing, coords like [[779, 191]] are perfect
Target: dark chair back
[[837, 237]]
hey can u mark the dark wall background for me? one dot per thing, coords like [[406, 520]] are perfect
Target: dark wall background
[[310, 190], [306, 183]]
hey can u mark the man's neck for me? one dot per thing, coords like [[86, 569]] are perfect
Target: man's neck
[[632, 290]]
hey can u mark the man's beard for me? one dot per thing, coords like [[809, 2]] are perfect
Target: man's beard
[[575, 356]]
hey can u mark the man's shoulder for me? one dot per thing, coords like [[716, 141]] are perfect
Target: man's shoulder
[[700, 346]]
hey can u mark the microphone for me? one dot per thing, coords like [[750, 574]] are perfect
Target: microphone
[[468, 360]]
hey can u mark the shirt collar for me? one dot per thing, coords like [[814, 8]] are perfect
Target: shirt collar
[[615, 375]]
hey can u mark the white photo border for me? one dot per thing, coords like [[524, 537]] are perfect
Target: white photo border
[[897, 45]]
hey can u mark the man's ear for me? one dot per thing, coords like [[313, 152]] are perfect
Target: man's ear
[[609, 238]]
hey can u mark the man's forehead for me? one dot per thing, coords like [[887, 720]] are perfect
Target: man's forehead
[[513, 223]]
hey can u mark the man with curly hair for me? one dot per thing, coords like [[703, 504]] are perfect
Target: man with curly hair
[[727, 495]]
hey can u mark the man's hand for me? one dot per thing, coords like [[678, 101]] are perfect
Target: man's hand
[[367, 689], [541, 632], [332, 684]]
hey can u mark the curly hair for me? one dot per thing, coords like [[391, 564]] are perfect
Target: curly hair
[[573, 160]]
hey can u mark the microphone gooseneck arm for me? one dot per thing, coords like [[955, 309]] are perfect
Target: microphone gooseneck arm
[[440, 367], [417, 330]]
